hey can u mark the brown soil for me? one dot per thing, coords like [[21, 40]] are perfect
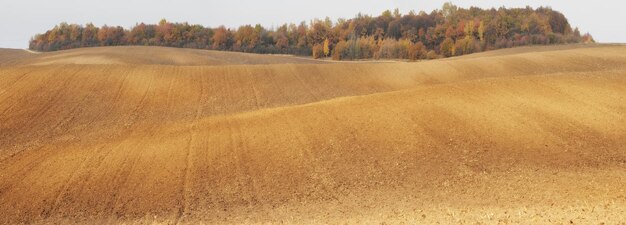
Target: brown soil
[[531, 135]]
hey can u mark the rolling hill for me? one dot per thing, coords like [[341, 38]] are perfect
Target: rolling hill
[[160, 135], [141, 55]]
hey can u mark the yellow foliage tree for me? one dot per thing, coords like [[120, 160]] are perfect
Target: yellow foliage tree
[[481, 31], [447, 47], [326, 47]]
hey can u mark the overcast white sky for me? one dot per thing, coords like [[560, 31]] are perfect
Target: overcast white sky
[[21, 19]]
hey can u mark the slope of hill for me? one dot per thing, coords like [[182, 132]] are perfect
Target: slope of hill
[[10, 57], [534, 136], [140, 55]]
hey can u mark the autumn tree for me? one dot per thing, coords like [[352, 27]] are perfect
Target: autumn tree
[[222, 38], [318, 32], [587, 38], [447, 47], [318, 51], [558, 22], [111, 36], [326, 47], [163, 34], [447, 32], [417, 51], [246, 38], [481, 32], [137, 35], [448, 10], [90, 36]]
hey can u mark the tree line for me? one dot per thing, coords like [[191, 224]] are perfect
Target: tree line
[[449, 31]]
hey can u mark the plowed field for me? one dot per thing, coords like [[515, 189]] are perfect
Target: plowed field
[[158, 135]]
